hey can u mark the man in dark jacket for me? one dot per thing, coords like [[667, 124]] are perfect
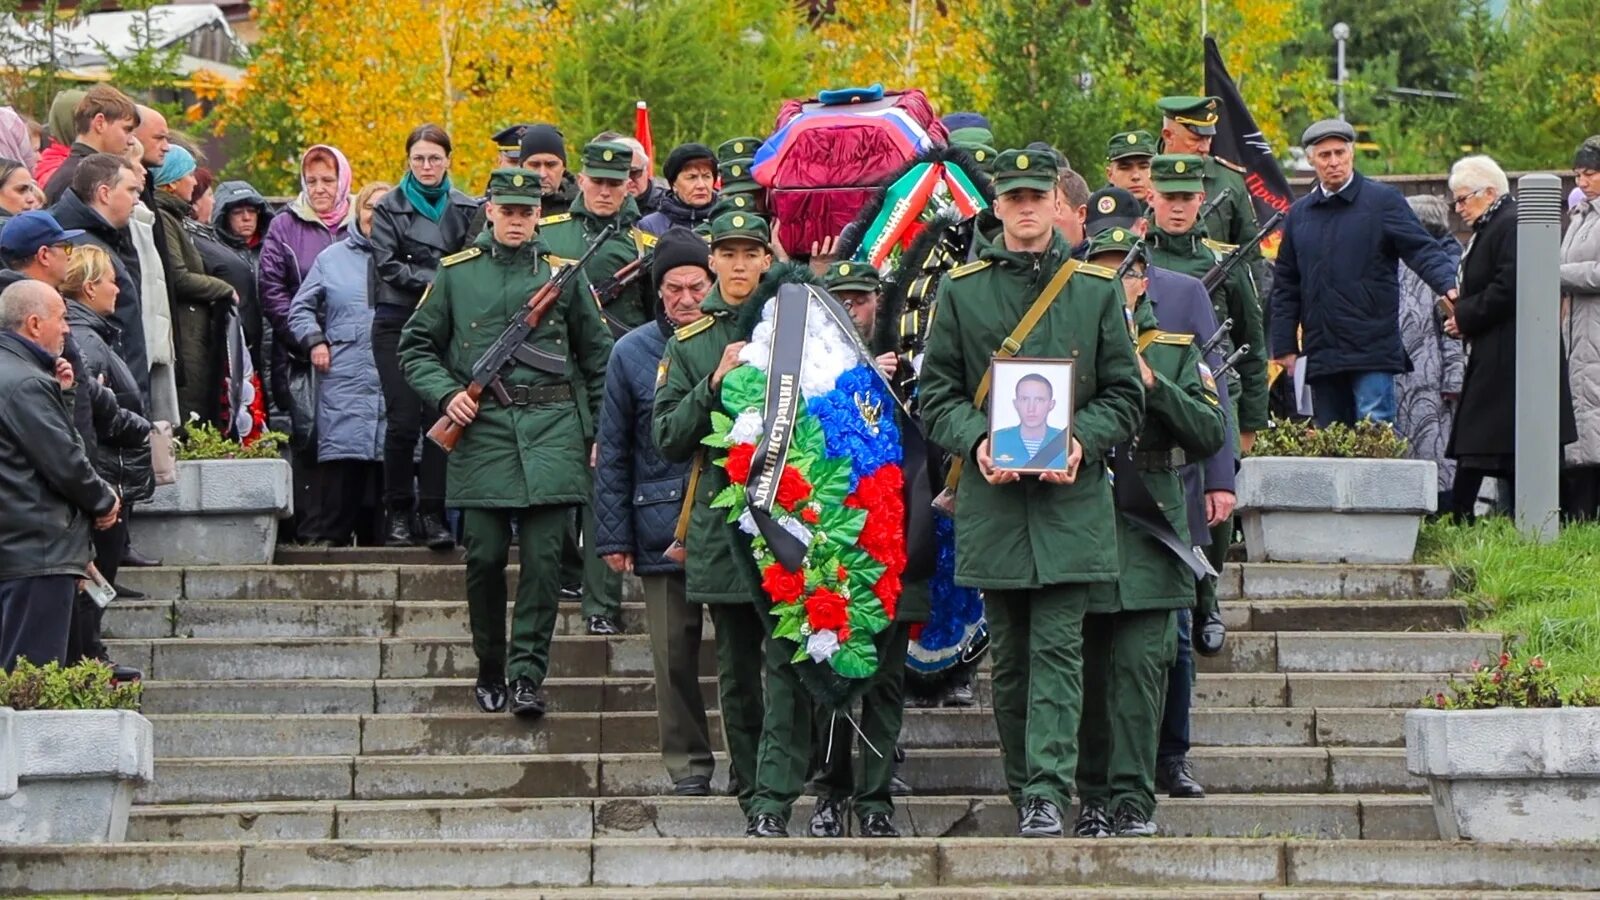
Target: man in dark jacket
[[638, 496], [104, 121], [47, 486], [1336, 290], [104, 193]]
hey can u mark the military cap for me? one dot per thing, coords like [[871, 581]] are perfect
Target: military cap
[[1034, 169], [982, 154], [736, 201], [1178, 173], [1108, 240], [508, 140], [971, 136], [514, 186], [1111, 207], [740, 226], [1130, 143], [1325, 129], [607, 159], [737, 148], [850, 275], [1198, 114], [736, 176]]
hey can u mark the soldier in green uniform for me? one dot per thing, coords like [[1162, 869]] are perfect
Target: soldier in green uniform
[[1187, 126], [1037, 545], [1130, 633], [687, 390], [858, 288], [1128, 156], [523, 461], [602, 200]]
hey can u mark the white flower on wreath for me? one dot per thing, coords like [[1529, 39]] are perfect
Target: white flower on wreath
[[822, 645], [747, 429], [829, 352]]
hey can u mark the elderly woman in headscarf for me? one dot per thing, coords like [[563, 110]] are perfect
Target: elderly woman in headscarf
[[62, 131], [1580, 329], [16, 141], [195, 296], [1426, 396]]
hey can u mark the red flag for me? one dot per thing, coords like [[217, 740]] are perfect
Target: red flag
[[641, 132]]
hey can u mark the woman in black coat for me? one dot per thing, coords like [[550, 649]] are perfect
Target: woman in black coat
[[413, 228], [1483, 440]]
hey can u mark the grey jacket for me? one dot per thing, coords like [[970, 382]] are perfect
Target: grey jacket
[[1580, 327], [48, 489], [331, 308]]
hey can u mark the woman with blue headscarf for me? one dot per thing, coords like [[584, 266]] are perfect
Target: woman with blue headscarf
[[200, 302]]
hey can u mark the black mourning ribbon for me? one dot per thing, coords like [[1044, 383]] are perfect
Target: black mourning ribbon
[[1138, 506]]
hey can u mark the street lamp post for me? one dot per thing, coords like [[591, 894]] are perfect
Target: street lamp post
[[1341, 33]]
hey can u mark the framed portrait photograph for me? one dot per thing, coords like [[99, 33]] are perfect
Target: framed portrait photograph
[[1030, 413]]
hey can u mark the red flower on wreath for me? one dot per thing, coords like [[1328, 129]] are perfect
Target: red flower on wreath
[[739, 456], [793, 488], [782, 585], [810, 516], [826, 610], [888, 591]]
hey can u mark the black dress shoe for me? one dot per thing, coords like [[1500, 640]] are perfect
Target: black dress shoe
[[490, 692], [692, 786], [960, 694], [1132, 823], [827, 820], [122, 674], [603, 625], [129, 593], [1040, 818], [766, 825], [435, 533], [525, 699], [1172, 776], [397, 530], [571, 591], [898, 787], [132, 557], [877, 825], [1211, 635], [1092, 822]]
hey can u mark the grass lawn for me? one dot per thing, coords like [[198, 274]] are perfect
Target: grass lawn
[[1546, 596]]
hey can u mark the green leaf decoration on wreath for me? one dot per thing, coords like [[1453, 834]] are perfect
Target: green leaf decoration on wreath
[[744, 388], [842, 525], [857, 657]]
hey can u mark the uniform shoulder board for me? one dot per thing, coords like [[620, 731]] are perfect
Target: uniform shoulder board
[[643, 239], [693, 328], [1096, 271], [976, 265], [1168, 337], [1231, 164], [557, 261], [1219, 246], [463, 256], [556, 219]]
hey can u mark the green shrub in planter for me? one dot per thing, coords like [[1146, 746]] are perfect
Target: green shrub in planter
[[202, 440], [1513, 684], [86, 685], [1364, 440]]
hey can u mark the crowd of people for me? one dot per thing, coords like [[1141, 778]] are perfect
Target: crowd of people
[[365, 307]]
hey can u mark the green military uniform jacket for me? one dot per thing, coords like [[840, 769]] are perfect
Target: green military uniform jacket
[[1234, 220], [1181, 413], [568, 234], [684, 402], [1028, 534], [516, 456], [1193, 254]]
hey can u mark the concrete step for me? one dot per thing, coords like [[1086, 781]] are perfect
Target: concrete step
[[637, 693], [1226, 770], [449, 618], [988, 892], [1349, 816], [422, 578], [636, 732], [583, 656], [739, 864]]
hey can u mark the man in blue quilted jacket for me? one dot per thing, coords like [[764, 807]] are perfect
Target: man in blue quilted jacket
[[637, 498]]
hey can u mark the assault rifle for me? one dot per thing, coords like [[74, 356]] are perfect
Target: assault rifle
[[511, 346], [1135, 254], [608, 290], [1216, 337], [1225, 266], [1212, 204], [1231, 361]]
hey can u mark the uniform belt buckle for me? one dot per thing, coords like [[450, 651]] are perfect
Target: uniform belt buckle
[[521, 395]]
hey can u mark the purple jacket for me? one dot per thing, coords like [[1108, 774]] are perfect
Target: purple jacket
[[291, 245]]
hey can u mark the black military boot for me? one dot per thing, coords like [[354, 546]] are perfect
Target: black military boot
[[397, 530], [1172, 776], [525, 700], [1092, 822], [1132, 823], [435, 533], [877, 825], [827, 819], [1040, 818], [490, 691]]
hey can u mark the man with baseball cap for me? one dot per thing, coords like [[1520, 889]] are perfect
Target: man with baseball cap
[[1039, 546], [33, 245]]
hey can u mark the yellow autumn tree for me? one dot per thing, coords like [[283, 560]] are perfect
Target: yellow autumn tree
[[360, 76], [927, 44]]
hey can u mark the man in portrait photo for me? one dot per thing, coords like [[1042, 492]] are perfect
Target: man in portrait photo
[[1016, 447]]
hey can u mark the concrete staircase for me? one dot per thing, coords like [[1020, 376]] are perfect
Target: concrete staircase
[[315, 731]]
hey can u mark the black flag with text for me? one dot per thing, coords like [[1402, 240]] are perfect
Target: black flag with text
[[1238, 139]]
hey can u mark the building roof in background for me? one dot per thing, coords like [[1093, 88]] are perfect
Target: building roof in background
[[202, 29]]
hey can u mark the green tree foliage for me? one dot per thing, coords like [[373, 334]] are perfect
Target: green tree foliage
[[31, 56], [710, 69]]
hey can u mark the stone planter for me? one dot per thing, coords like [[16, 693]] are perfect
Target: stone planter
[[1313, 509], [220, 512], [1517, 775], [76, 773]]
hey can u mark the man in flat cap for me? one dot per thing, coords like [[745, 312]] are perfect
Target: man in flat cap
[[1336, 293]]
